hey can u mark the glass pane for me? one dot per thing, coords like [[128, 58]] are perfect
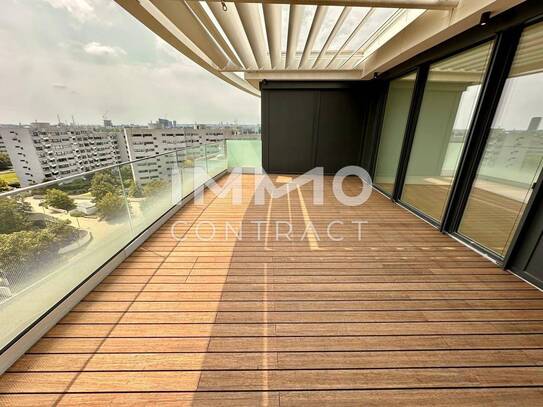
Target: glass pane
[[200, 165], [449, 100], [513, 155], [152, 186], [216, 158], [52, 238], [396, 113], [244, 153], [186, 164]]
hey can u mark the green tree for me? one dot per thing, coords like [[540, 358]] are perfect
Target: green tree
[[111, 205], [154, 187], [103, 183], [134, 190], [5, 162], [13, 215], [21, 248], [126, 175], [59, 199], [4, 186]]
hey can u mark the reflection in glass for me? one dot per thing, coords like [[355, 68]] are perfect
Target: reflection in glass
[[449, 100], [390, 144], [513, 154]]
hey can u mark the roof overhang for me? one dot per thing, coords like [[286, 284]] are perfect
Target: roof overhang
[[244, 42]]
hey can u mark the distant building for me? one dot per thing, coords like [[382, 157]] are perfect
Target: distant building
[[41, 152], [142, 142], [108, 123]]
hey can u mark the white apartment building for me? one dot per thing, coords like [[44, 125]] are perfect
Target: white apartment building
[[142, 142], [41, 152]]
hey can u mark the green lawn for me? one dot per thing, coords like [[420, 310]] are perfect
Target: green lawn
[[9, 176]]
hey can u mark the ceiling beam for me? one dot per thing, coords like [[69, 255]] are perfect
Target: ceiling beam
[[302, 75], [250, 19], [230, 23], [421, 4], [316, 25], [341, 19], [295, 18], [200, 12], [272, 19]]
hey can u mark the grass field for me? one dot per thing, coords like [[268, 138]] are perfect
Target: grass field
[[9, 176]]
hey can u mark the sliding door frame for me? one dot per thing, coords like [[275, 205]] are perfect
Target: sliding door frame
[[505, 30], [503, 55]]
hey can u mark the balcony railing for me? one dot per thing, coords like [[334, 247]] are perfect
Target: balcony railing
[[57, 235]]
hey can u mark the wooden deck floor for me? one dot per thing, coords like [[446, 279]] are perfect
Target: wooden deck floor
[[402, 316]]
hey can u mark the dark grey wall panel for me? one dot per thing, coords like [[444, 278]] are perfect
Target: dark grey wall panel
[[339, 130], [291, 116], [318, 124]]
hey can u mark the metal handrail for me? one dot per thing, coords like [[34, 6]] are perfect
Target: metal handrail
[[81, 174]]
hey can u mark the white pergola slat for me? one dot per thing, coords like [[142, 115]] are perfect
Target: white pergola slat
[[204, 18], [294, 25], [339, 23], [231, 25], [239, 46], [353, 34], [316, 25], [272, 19], [250, 18]]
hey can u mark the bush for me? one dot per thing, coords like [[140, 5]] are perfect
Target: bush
[[76, 214], [154, 187], [111, 206], [103, 183], [13, 215], [4, 186], [34, 245], [59, 199], [5, 162], [76, 186], [134, 190]]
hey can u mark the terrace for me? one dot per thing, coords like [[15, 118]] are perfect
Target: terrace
[[403, 314], [120, 286]]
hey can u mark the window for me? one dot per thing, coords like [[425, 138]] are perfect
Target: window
[[397, 108], [449, 100], [513, 153]]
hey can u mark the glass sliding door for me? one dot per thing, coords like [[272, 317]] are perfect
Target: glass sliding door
[[448, 104], [397, 108], [513, 154]]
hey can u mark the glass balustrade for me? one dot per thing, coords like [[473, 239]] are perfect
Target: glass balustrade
[[244, 153], [55, 235]]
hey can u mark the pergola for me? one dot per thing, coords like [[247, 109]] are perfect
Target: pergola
[[244, 42]]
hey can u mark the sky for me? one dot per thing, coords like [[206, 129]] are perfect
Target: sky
[[90, 58]]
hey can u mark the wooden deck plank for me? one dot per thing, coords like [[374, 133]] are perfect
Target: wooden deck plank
[[404, 315]]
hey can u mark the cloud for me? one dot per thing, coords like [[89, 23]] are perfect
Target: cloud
[[97, 49], [82, 10]]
